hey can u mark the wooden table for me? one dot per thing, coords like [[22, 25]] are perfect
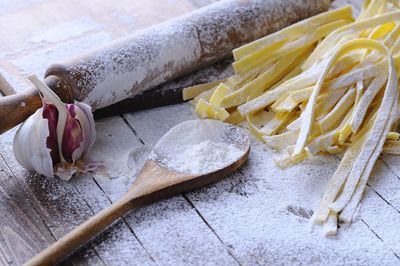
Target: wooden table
[[256, 216]]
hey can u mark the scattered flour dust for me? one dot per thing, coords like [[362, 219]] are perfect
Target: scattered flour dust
[[200, 146]]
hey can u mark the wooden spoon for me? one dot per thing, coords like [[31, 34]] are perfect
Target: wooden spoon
[[157, 181]]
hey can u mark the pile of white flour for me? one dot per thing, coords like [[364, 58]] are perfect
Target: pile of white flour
[[199, 147]]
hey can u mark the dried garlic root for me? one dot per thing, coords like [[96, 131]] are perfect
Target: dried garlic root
[[327, 84]]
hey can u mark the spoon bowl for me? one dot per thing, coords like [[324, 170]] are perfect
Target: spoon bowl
[[162, 177]]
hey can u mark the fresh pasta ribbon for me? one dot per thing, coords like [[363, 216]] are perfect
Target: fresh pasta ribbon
[[325, 85]]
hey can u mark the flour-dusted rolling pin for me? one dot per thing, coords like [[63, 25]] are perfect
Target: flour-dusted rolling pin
[[129, 66]]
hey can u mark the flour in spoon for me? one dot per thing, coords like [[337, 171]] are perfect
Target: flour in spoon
[[204, 157], [198, 147]]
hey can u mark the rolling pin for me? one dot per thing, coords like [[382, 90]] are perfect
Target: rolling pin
[[137, 63]]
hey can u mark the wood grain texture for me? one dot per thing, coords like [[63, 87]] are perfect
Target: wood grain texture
[[153, 183], [30, 43], [170, 230], [232, 204], [238, 221], [27, 50], [120, 70], [17, 107], [57, 207]]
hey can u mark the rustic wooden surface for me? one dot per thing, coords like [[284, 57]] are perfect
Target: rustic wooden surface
[[253, 217]]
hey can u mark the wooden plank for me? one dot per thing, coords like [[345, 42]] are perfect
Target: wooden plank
[[256, 211], [63, 207], [114, 141], [29, 29], [66, 206], [19, 230], [171, 231], [30, 43], [239, 216], [23, 232], [175, 235], [49, 215], [387, 183]]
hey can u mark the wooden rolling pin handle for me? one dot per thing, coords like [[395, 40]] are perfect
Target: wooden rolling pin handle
[[16, 108], [82, 234]]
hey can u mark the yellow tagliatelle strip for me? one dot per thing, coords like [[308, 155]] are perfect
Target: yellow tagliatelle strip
[[349, 208], [253, 128], [307, 116], [392, 147], [344, 104], [282, 140], [234, 118], [321, 86], [309, 78], [293, 31], [280, 49], [365, 101], [329, 43], [365, 149], [255, 87], [330, 227], [218, 96], [194, 91], [275, 123], [393, 136], [213, 108], [287, 160]]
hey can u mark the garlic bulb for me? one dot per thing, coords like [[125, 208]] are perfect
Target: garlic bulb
[[56, 136]]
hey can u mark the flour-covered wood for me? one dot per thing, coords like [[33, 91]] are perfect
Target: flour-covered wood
[[139, 62], [132, 65], [158, 179], [171, 230], [261, 213], [255, 216], [44, 198]]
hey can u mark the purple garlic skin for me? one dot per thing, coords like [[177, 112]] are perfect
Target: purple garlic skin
[[50, 113], [73, 135], [43, 153]]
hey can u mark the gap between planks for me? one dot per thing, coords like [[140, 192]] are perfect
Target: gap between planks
[[162, 123], [383, 201], [380, 238], [210, 227], [83, 256], [124, 221], [26, 202], [39, 211], [188, 200]]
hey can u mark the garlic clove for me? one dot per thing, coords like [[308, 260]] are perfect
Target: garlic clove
[[30, 145], [50, 113], [83, 114], [72, 137]]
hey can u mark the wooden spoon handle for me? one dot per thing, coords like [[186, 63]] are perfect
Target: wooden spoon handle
[[82, 234]]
